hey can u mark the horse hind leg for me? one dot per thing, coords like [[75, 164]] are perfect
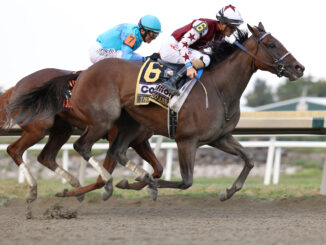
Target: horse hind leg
[[230, 145], [16, 150], [108, 164], [59, 134]]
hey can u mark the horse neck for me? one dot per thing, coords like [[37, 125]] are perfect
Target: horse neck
[[232, 76]]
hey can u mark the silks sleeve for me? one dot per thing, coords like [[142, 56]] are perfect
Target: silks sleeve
[[127, 49]]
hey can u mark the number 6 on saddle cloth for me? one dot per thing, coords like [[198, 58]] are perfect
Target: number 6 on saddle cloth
[[151, 75]]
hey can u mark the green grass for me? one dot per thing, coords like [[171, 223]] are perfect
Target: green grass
[[302, 184]]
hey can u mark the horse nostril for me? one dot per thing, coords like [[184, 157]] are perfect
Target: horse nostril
[[299, 68]]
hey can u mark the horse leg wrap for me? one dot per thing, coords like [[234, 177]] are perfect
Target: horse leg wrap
[[74, 182], [140, 173], [106, 176], [29, 177]]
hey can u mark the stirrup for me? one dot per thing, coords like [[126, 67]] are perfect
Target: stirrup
[[168, 85]]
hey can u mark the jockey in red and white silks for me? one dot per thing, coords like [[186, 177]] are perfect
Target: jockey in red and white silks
[[184, 44]]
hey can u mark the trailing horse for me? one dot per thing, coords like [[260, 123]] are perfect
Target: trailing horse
[[104, 96], [59, 127]]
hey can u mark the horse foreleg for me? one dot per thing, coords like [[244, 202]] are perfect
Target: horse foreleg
[[84, 145], [230, 145], [145, 151], [128, 129], [16, 150], [109, 165], [187, 152]]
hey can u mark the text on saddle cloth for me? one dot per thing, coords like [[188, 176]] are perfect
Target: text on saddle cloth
[[150, 76]]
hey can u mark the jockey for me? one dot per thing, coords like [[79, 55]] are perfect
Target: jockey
[[121, 41], [183, 45]]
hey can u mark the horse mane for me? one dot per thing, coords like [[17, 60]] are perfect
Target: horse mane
[[222, 50]]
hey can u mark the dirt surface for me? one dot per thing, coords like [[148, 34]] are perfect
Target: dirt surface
[[170, 220]]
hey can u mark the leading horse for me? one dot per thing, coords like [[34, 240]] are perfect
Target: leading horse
[[59, 128], [104, 96]]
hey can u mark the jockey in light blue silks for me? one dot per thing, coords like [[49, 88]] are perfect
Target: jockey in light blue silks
[[122, 40]]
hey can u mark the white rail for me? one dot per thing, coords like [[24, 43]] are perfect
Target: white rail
[[273, 161]]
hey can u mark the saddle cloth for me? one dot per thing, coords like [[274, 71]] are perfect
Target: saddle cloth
[[149, 89]]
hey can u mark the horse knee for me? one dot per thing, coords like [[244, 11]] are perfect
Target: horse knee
[[14, 155], [112, 154], [47, 162], [77, 147], [10, 151], [86, 154], [250, 163]]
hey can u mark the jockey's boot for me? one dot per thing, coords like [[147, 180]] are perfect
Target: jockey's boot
[[171, 84]]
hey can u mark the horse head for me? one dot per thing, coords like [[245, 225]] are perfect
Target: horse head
[[272, 56]]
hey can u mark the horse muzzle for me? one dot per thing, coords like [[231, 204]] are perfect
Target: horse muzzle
[[294, 71]]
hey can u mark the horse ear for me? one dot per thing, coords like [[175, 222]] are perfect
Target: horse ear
[[253, 30], [261, 26]]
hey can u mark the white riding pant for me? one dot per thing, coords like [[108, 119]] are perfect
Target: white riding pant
[[97, 53], [169, 52]]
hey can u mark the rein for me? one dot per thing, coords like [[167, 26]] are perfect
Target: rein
[[278, 65]]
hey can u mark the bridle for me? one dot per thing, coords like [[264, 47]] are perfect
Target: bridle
[[277, 64]]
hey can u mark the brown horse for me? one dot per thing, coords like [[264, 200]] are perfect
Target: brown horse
[[104, 96], [60, 128]]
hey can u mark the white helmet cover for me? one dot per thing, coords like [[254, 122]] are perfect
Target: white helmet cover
[[229, 15]]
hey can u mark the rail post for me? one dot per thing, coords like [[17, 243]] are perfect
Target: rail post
[[65, 163], [269, 163], [323, 180], [169, 161], [277, 165]]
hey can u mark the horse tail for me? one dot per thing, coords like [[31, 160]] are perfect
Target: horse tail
[[41, 102], [4, 101]]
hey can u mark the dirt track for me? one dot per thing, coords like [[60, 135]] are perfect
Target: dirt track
[[169, 220]]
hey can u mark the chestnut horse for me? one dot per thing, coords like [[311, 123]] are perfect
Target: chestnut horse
[[60, 128], [104, 96]]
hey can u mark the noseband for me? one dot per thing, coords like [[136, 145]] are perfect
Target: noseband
[[277, 65]]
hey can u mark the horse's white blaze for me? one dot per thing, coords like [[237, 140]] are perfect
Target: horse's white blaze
[[67, 176], [27, 173], [106, 176]]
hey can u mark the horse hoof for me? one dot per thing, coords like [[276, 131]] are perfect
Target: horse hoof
[[31, 195], [107, 190], [123, 184], [80, 198], [61, 193], [224, 195], [148, 179], [152, 192]]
